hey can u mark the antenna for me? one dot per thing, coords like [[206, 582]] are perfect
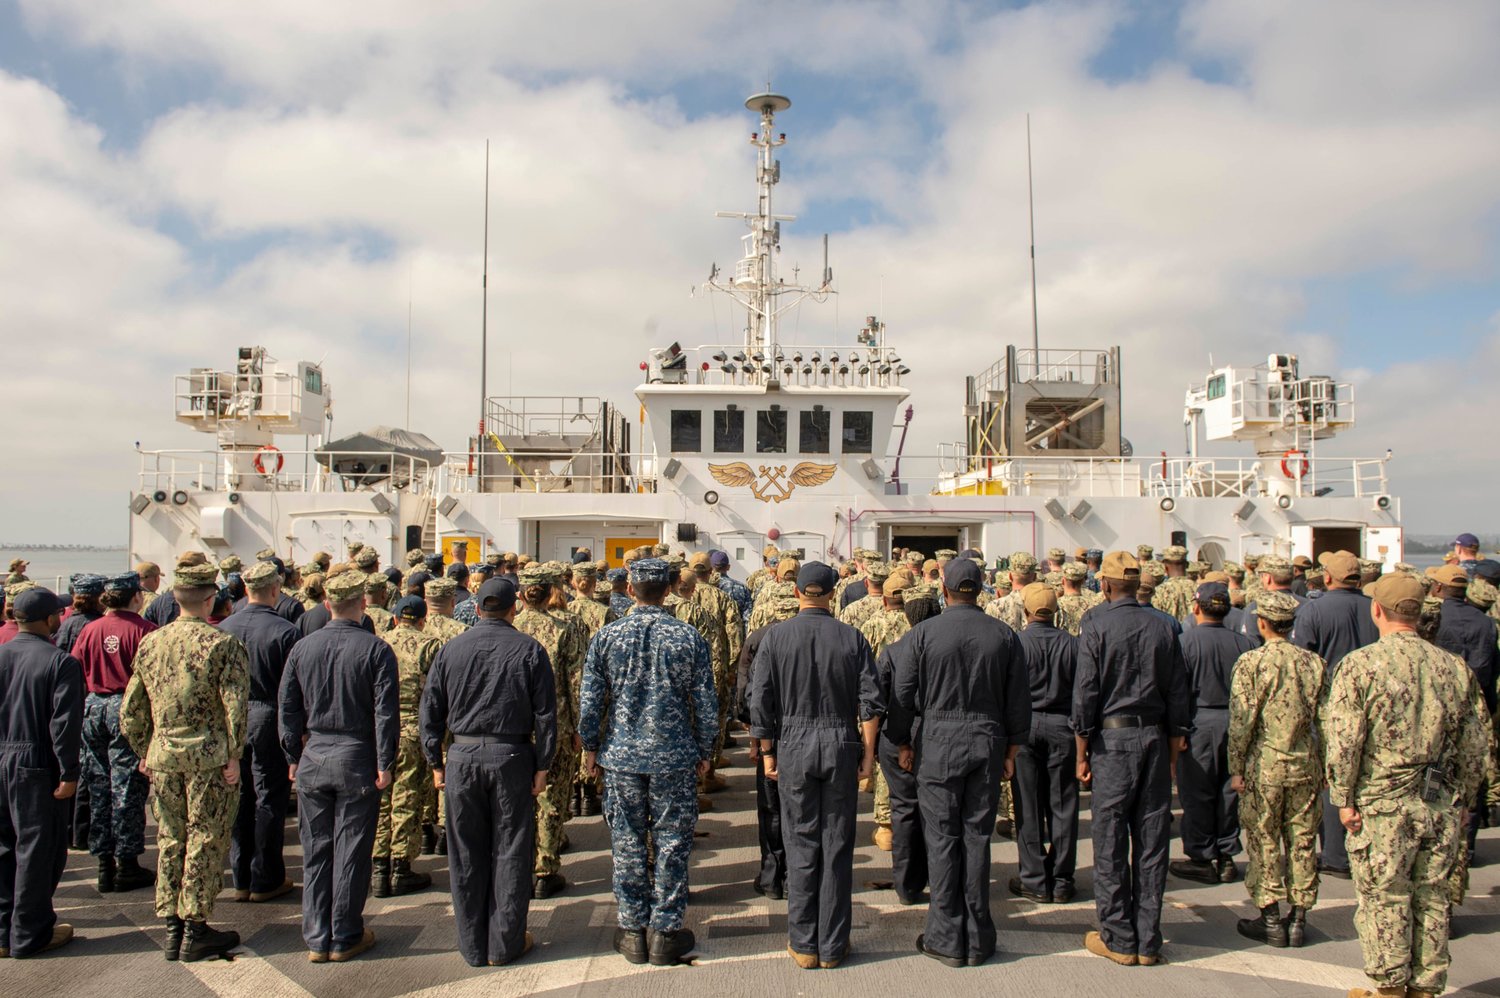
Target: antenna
[[484, 313], [1036, 347], [409, 281]]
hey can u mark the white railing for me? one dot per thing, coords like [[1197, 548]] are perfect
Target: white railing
[[286, 471], [850, 365]]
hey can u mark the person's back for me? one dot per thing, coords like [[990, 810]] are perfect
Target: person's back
[[1338, 622], [1045, 784], [1466, 631]]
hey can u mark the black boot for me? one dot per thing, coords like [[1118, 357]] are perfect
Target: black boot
[[131, 875], [668, 948], [575, 806], [380, 881], [590, 800], [1296, 926], [173, 946], [429, 840], [107, 875], [441, 848], [1268, 928], [405, 880], [202, 942], [631, 944]]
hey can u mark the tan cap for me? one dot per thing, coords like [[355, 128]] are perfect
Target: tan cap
[[147, 568], [1120, 566], [1215, 577], [787, 568], [1398, 593], [699, 560], [1040, 599], [1449, 575], [894, 585], [1342, 566], [190, 558]]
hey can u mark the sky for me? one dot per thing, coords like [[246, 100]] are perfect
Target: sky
[[1213, 179]]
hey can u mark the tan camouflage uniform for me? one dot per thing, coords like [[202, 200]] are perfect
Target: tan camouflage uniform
[[1273, 716], [398, 833], [883, 630], [184, 715], [566, 643], [1394, 708], [445, 629]]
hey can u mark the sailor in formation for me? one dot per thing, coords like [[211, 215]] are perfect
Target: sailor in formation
[[1258, 696]]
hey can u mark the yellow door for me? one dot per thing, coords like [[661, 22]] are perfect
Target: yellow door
[[458, 547], [615, 548]]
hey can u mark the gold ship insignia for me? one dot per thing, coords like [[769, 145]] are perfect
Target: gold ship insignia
[[772, 484]]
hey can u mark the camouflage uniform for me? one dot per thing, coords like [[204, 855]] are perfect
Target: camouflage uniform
[[1273, 715], [398, 832], [652, 675], [592, 614], [566, 643], [881, 631], [770, 596], [1396, 707], [184, 714], [735, 590], [1174, 596], [1011, 609], [445, 629]]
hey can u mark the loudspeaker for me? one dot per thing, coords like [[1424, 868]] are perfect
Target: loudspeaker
[[1246, 510], [1055, 508], [381, 503], [1082, 510], [139, 503], [413, 537], [447, 506]]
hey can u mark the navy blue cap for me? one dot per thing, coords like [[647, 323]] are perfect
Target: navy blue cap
[[650, 570], [816, 579], [1466, 541], [1488, 569], [417, 580], [410, 608], [1213, 595], [280, 565], [961, 575], [970, 553], [616, 574], [86, 584], [458, 570], [719, 560], [483, 569], [434, 563], [1094, 554], [37, 604], [497, 594], [582, 555], [393, 575]]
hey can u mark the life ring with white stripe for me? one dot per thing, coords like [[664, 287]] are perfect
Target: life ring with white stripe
[[1294, 456], [260, 460]]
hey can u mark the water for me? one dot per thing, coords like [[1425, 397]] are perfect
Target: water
[[51, 567]]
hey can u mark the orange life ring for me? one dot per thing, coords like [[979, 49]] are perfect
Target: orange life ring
[[1294, 455], [260, 460]]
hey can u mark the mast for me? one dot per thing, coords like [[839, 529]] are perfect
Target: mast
[[1036, 346], [484, 316]]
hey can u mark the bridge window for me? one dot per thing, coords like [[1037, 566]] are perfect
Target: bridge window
[[814, 427], [770, 431], [859, 432], [687, 431], [1216, 387], [729, 431]]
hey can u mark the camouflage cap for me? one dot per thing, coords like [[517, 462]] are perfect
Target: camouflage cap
[[1397, 593], [676, 562], [1482, 594], [650, 570], [539, 574], [1174, 553], [659, 550], [1252, 561], [915, 557], [18, 564], [1197, 567], [86, 584], [947, 554], [1003, 583], [585, 570], [1022, 562], [232, 563], [129, 582], [195, 576], [1234, 570], [799, 553], [188, 558], [376, 583], [1120, 566], [617, 575], [1075, 571], [414, 557], [526, 559], [1405, 566], [878, 570], [438, 587], [265, 553], [1056, 554], [346, 585], [1152, 571], [260, 575], [366, 558], [1053, 580], [1276, 605], [921, 590], [494, 559], [17, 588], [1144, 552], [1273, 564]]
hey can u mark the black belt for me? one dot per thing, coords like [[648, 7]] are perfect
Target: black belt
[[1129, 721], [1213, 706], [492, 739]]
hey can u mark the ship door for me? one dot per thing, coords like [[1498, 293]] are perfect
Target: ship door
[[615, 548], [1331, 539], [1386, 545], [563, 548]]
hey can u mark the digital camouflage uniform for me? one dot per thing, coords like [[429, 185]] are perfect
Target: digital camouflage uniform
[[882, 630], [652, 675], [1394, 708], [770, 596], [566, 643], [445, 629], [398, 832], [1011, 609], [1273, 716], [184, 714]]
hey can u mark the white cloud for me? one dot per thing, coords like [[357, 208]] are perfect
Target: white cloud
[[1176, 217]]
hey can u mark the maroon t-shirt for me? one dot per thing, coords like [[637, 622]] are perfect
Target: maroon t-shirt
[[107, 648], [9, 630]]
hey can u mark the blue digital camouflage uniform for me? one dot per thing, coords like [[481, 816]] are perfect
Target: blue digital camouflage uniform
[[653, 674], [737, 591]]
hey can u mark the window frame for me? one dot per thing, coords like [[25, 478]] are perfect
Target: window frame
[[672, 431], [844, 443], [784, 431]]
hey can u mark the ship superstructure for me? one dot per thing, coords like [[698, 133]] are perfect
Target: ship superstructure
[[763, 441]]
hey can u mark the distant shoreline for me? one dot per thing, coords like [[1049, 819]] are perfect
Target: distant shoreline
[[60, 547]]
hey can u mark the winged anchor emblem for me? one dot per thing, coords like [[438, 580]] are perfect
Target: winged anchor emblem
[[772, 483]]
